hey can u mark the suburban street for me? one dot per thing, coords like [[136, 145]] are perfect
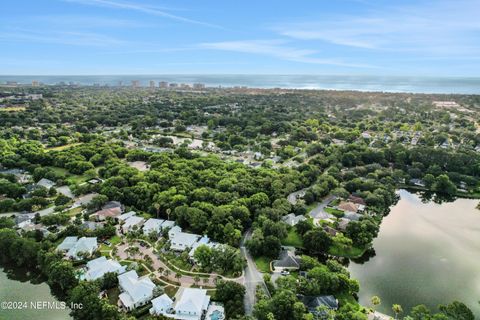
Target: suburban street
[[252, 276]]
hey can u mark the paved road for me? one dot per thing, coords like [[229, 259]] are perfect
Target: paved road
[[318, 212], [253, 277]]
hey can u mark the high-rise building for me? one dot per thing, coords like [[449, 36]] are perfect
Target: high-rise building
[[120, 83], [152, 84], [173, 85], [198, 86], [135, 83], [35, 83], [163, 84]]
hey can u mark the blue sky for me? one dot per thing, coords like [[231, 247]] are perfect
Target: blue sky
[[361, 37]]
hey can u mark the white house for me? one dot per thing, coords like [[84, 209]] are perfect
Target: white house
[[191, 304], [45, 183], [173, 231], [136, 291], [161, 305], [291, 219], [202, 241], [74, 246], [97, 268], [132, 222], [125, 216], [152, 225], [166, 224], [183, 240]]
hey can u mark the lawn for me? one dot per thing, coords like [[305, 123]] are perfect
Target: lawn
[[73, 212], [337, 213], [263, 264], [350, 252], [293, 239], [13, 109], [170, 291], [60, 148]]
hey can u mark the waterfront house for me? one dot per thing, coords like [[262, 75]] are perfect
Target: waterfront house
[[97, 268], [136, 291]]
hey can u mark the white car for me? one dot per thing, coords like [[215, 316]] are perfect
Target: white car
[[284, 272]]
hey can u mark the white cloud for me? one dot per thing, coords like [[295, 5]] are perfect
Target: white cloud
[[60, 37], [277, 49], [437, 27], [143, 9]]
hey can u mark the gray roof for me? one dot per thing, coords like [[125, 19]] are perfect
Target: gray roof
[[287, 260], [313, 302]]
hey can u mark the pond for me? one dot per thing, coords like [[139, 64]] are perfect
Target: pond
[[16, 286], [425, 253]]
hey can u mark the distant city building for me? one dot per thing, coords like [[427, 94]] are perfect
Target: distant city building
[[173, 85], [12, 83], [35, 83], [135, 83], [198, 86], [152, 84], [120, 83], [163, 84]]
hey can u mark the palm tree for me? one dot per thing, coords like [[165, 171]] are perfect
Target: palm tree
[[196, 279], [396, 308], [168, 213], [156, 205], [161, 269], [178, 276], [205, 280], [375, 300], [167, 272]]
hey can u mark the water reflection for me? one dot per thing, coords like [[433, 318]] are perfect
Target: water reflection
[[427, 251]]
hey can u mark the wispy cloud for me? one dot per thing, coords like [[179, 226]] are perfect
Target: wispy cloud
[[436, 27], [86, 21], [277, 49], [60, 37], [143, 9]]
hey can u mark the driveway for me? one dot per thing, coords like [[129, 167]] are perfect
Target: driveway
[[319, 211]]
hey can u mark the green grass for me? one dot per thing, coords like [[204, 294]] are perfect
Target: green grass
[[350, 252], [263, 264], [13, 109], [293, 239], [170, 291], [337, 213], [60, 148], [73, 212]]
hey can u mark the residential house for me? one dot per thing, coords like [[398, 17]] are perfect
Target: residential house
[[113, 204], [136, 291], [348, 206], [202, 241], [191, 304], [287, 261], [351, 216], [152, 225], [46, 183], [132, 223], [343, 223], [161, 305], [167, 224], [291, 219], [314, 304], [183, 240], [173, 231], [97, 268], [125, 216], [417, 182], [75, 247], [103, 214]]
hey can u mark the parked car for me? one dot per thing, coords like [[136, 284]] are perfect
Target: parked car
[[284, 272]]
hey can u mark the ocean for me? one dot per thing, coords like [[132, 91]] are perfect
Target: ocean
[[445, 85]]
